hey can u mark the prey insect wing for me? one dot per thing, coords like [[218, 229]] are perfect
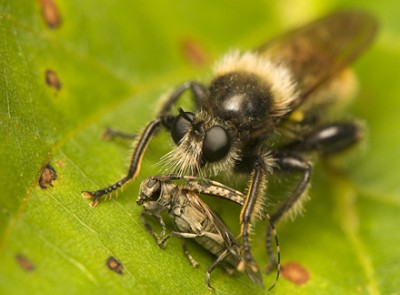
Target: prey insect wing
[[232, 244], [228, 238], [316, 52]]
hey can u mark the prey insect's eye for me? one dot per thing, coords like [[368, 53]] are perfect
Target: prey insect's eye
[[216, 144], [152, 182], [151, 190], [181, 125]]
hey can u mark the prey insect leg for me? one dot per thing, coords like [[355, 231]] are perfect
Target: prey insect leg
[[163, 119], [192, 261], [147, 225], [210, 269], [179, 235], [213, 266]]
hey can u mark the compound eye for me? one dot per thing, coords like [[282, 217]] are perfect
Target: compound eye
[[216, 144], [181, 125], [153, 183]]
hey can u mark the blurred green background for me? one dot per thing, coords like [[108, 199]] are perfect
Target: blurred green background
[[114, 60]]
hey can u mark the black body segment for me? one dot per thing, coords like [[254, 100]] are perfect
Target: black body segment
[[329, 139], [241, 99]]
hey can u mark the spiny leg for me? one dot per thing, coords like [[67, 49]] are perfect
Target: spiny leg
[[326, 140], [199, 93], [294, 164], [248, 210], [134, 167], [110, 133], [329, 139], [273, 262], [144, 138], [276, 262]]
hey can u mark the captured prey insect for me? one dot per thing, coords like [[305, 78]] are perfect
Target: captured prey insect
[[265, 110], [193, 219]]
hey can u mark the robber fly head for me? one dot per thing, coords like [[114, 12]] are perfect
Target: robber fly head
[[201, 142]]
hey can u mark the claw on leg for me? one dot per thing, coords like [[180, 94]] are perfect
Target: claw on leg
[[208, 282], [90, 195]]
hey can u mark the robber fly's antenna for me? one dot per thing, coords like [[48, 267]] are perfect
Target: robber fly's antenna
[[184, 115]]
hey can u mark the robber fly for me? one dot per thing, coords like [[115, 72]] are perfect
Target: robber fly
[[265, 110], [193, 219]]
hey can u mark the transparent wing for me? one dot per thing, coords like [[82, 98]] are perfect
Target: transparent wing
[[316, 52], [231, 243], [219, 225]]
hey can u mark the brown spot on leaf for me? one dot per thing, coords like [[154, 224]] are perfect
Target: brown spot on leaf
[[52, 79], [295, 272], [24, 262], [194, 52], [115, 265], [47, 177], [50, 13], [60, 163]]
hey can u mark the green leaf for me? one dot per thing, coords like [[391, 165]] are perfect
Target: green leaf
[[113, 62]]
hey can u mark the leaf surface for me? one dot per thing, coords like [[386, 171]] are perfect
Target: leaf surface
[[113, 62]]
